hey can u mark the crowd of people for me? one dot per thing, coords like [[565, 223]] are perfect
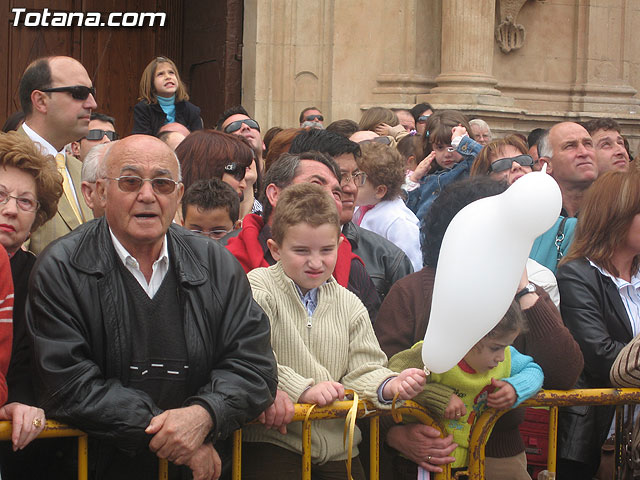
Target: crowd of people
[[161, 290]]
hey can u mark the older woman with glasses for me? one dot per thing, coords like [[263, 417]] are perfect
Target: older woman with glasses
[[505, 159], [30, 187]]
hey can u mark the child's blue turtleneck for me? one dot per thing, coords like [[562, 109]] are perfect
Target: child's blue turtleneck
[[168, 107]]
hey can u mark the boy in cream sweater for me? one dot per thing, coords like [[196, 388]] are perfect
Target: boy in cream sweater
[[322, 337]]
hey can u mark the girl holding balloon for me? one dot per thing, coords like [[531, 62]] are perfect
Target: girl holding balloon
[[492, 374], [405, 315]]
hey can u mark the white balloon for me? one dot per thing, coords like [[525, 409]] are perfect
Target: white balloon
[[482, 258]]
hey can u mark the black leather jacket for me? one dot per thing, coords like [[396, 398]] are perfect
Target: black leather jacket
[[385, 263], [79, 326], [593, 312]]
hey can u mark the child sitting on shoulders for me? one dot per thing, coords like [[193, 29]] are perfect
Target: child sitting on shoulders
[[492, 374], [322, 337], [163, 99], [211, 207], [380, 205], [449, 154]]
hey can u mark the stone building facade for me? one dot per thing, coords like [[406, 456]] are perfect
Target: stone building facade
[[518, 64]]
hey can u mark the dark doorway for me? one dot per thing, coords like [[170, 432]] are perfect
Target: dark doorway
[[203, 37]]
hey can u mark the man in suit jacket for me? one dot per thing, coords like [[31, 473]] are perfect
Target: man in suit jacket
[[57, 97]]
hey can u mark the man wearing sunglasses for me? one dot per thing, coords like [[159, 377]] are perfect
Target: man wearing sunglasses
[[57, 97], [161, 352], [102, 129], [237, 121], [311, 117]]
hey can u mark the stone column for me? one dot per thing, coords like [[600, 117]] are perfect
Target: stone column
[[467, 55]]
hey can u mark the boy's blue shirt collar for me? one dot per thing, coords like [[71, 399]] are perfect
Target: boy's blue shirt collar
[[309, 299]]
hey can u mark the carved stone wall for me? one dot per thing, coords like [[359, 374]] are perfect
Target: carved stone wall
[[575, 59]]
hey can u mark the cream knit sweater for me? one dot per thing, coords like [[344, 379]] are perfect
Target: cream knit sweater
[[337, 343]]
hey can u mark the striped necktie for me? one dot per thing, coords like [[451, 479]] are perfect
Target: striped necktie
[[66, 185]]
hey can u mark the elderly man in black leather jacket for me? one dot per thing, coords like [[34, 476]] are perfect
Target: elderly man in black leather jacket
[[145, 335]]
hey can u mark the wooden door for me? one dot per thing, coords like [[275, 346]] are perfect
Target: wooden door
[[195, 36]]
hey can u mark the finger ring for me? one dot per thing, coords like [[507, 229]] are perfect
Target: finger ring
[[428, 458], [37, 422], [458, 414]]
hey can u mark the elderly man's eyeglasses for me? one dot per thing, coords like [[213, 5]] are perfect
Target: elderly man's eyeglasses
[[236, 170], [503, 164], [215, 234], [79, 92], [133, 183], [98, 134], [24, 203], [358, 178], [313, 118], [237, 125]]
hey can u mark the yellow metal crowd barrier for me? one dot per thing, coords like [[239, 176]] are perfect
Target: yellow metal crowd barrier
[[308, 413], [54, 429]]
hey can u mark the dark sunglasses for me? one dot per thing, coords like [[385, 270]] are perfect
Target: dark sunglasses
[[423, 118], [133, 183], [97, 134], [312, 118], [235, 170], [503, 164], [79, 92], [235, 126]]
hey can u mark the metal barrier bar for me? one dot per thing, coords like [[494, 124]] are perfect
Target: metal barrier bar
[[374, 448], [552, 450], [339, 410], [545, 398], [236, 468], [55, 429], [306, 449], [479, 433], [163, 469]]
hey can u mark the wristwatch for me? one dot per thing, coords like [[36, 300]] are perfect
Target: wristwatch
[[529, 288]]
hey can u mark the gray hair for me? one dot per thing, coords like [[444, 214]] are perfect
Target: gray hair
[[92, 168], [544, 146], [480, 123]]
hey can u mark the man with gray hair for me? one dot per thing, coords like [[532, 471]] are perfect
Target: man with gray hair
[[89, 176], [567, 149], [480, 131], [145, 335]]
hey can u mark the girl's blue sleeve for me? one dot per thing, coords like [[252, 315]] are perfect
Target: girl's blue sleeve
[[526, 376], [468, 147]]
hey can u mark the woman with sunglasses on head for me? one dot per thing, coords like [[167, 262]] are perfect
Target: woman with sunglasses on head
[[507, 159], [163, 99], [209, 154], [30, 187]]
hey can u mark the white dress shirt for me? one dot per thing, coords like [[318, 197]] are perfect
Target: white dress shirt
[[159, 269]]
